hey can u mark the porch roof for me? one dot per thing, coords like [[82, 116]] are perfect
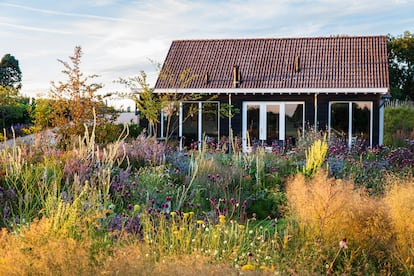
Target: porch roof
[[277, 65]]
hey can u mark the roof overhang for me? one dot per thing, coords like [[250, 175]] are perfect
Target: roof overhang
[[274, 90]]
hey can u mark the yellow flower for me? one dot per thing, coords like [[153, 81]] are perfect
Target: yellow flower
[[222, 219], [191, 214], [200, 222], [137, 208], [247, 267], [185, 215], [173, 214], [241, 227], [265, 268]]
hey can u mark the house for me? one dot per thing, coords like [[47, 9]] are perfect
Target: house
[[278, 86]]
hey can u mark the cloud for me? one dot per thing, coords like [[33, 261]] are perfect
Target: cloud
[[119, 37], [60, 13], [35, 29]]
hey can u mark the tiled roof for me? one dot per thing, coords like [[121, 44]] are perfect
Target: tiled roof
[[329, 62]]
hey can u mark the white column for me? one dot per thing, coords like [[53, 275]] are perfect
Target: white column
[[162, 124], [350, 125], [229, 123], [381, 124], [282, 122], [180, 125], [200, 125], [316, 112]]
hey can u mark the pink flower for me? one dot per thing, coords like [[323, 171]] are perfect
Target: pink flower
[[342, 244]]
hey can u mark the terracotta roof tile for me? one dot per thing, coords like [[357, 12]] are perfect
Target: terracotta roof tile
[[330, 62]]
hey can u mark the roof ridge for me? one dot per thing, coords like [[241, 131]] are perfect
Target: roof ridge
[[281, 38]]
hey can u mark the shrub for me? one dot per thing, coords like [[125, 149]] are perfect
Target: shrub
[[398, 125]]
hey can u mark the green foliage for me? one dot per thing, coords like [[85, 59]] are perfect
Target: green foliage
[[10, 74], [12, 106], [398, 125], [146, 101], [41, 113], [401, 65], [150, 104], [108, 133]]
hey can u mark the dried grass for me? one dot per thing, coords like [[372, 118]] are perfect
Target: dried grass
[[400, 203], [329, 210]]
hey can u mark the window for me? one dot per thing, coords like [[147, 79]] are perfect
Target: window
[[198, 121], [350, 120], [269, 123]]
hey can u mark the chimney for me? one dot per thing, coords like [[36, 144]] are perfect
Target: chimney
[[297, 64], [236, 76]]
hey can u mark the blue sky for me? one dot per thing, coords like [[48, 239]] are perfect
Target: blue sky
[[120, 37]]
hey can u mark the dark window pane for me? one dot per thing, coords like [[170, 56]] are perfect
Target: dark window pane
[[253, 123], [340, 120], [293, 122], [361, 116]]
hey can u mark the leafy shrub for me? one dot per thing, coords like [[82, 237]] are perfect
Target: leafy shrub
[[398, 125]]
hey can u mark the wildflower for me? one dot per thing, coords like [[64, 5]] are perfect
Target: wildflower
[[263, 268], [200, 222], [173, 214], [186, 215], [222, 219], [342, 244], [191, 214], [137, 208], [247, 267], [241, 227]]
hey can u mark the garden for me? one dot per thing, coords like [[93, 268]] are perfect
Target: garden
[[137, 206]]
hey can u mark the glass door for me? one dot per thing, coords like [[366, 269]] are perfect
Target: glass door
[[270, 123]]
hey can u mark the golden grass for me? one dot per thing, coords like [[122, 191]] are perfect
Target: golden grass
[[34, 251], [400, 203], [137, 259], [329, 210]]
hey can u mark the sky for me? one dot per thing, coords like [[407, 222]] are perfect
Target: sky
[[119, 38]]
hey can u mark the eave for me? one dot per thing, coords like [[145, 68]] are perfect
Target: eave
[[271, 91]]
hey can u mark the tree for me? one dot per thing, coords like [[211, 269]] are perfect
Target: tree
[[151, 104], [9, 100], [10, 74], [40, 112], [401, 65], [75, 101]]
